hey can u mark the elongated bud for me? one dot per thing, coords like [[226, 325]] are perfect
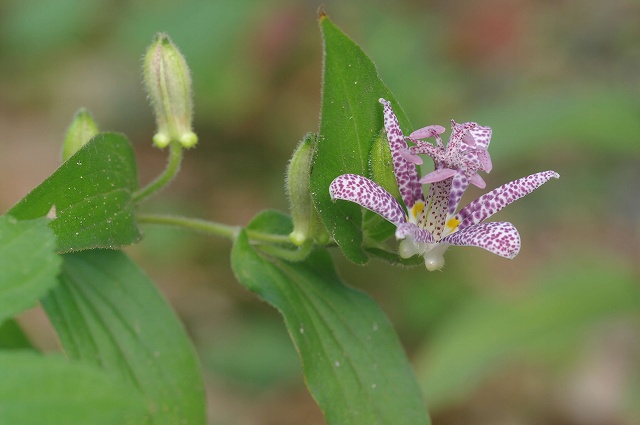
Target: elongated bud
[[381, 165], [81, 130], [306, 222], [168, 83]]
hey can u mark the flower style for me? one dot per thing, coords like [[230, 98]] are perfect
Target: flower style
[[427, 226]]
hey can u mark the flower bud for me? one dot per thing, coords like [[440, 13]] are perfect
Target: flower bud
[[81, 130], [381, 165], [168, 84], [306, 222]]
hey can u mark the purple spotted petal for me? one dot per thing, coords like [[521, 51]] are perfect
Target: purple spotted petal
[[406, 173], [501, 238], [436, 208], [459, 184], [438, 175], [416, 233], [482, 136], [492, 202], [368, 194]]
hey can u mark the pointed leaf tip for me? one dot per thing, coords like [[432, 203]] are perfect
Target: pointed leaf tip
[[321, 13]]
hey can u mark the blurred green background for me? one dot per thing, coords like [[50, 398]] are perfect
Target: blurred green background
[[552, 337]]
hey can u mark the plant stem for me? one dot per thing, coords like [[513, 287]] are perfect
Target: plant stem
[[169, 173], [210, 227], [194, 224], [267, 237], [298, 255]]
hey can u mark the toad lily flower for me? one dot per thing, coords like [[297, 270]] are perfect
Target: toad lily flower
[[427, 226]]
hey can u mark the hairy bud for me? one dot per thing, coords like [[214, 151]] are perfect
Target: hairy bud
[[306, 223], [81, 130], [168, 84]]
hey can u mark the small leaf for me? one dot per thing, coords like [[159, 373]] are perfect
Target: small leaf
[[107, 312], [353, 363], [49, 390], [381, 172], [90, 195], [12, 337], [381, 165], [28, 264], [351, 117], [271, 221]]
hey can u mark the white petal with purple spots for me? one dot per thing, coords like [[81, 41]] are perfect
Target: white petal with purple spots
[[406, 173], [436, 205], [459, 184], [492, 202], [482, 136], [368, 194], [501, 238], [416, 233]]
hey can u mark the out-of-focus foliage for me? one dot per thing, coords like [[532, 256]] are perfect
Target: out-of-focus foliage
[[557, 82]]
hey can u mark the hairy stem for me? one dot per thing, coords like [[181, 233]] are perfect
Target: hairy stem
[[169, 173], [193, 224]]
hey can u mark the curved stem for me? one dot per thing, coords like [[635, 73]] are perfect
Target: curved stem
[[298, 255], [194, 224], [210, 227], [169, 173], [267, 237], [263, 240]]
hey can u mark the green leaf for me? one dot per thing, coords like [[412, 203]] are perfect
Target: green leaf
[[107, 312], [37, 390], [381, 172], [351, 117], [353, 363], [28, 264], [486, 333], [12, 337], [91, 194], [271, 221]]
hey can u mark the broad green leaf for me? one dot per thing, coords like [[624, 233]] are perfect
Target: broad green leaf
[[36, 390], [28, 263], [12, 337], [107, 312], [90, 195], [351, 117], [353, 363], [486, 333]]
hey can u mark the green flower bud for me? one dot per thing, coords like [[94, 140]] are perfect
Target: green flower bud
[[168, 83], [81, 130], [381, 165], [306, 222]]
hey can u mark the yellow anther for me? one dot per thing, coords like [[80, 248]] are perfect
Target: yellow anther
[[417, 209], [453, 223]]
